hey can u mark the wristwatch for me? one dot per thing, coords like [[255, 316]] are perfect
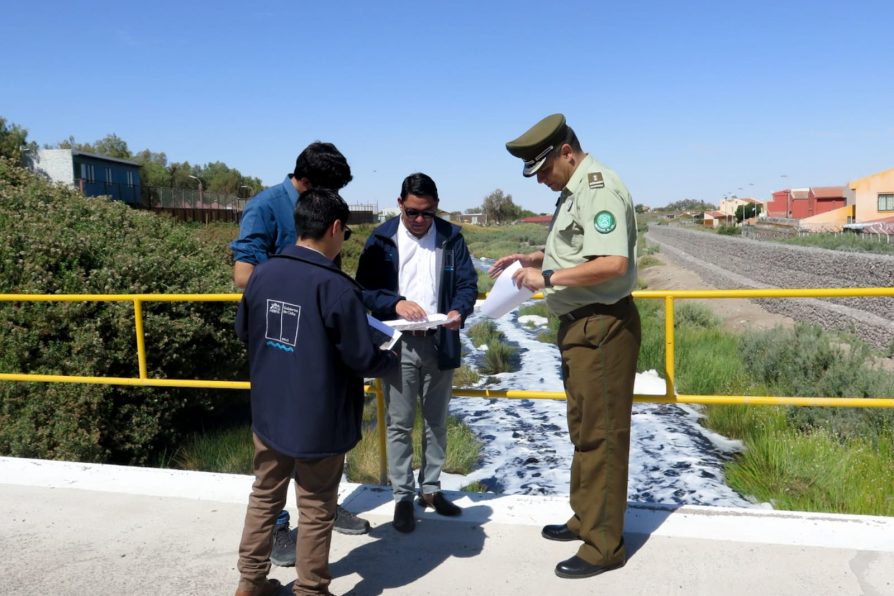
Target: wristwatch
[[546, 278]]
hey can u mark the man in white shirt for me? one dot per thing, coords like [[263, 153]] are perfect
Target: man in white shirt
[[413, 266]]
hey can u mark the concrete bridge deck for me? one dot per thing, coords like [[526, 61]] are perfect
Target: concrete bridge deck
[[69, 528]]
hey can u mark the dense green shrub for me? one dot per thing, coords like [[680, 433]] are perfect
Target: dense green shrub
[[55, 241], [729, 230], [694, 314], [806, 361]]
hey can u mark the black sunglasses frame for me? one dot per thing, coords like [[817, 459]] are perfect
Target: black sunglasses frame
[[414, 213]]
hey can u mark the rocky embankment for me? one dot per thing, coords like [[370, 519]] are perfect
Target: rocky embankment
[[731, 262]]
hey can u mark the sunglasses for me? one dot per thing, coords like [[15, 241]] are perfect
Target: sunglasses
[[347, 232], [414, 213]]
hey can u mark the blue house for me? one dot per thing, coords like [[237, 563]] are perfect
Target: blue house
[[95, 175]]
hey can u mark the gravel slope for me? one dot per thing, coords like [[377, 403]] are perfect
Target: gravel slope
[[731, 262]]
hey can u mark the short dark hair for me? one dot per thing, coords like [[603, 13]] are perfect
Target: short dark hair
[[317, 210], [324, 166], [419, 184], [569, 138]]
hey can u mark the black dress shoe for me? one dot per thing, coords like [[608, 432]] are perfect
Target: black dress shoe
[[558, 532], [576, 568], [404, 517], [440, 503]]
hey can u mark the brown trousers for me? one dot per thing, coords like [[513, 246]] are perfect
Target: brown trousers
[[599, 354], [316, 485]]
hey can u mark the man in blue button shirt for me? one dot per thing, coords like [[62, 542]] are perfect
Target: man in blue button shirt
[[267, 228], [268, 224]]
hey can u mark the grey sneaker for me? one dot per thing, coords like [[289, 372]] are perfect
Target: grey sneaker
[[348, 523], [284, 541]]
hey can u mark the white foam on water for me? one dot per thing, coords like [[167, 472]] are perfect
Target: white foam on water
[[526, 450]]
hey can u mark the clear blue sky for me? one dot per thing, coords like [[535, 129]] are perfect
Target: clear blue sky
[[683, 99]]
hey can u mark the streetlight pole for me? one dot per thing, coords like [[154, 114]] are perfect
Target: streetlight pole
[[200, 190]]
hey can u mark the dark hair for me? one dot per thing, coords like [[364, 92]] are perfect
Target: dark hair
[[420, 185], [317, 210], [324, 166], [569, 138]]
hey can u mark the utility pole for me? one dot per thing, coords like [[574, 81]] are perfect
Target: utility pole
[[201, 202]]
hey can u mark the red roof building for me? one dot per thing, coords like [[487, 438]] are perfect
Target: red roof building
[[538, 219], [798, 203]]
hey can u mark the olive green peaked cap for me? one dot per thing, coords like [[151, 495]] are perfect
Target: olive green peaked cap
[[535, 145]]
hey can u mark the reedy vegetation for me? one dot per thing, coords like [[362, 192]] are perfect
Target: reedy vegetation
[[810, 459]]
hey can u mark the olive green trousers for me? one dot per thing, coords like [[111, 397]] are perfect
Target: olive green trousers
[[599, 354]]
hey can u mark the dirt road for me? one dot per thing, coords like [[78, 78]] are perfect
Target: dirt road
[[736, 314]]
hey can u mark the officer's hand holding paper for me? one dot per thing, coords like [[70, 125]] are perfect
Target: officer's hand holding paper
[[505, 296]]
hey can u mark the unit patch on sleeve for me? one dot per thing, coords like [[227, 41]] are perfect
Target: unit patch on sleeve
[[595, 180], [604, 222]]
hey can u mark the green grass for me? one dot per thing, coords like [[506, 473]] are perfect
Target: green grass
[[809, 459], [499, 241], [539, 308], [465, 377], [482, 333], [647, 261], [463, 450], [474, 487], [500, 357], [845, 242], [485, 283], [806, 471], [797, 458], [229, 451]]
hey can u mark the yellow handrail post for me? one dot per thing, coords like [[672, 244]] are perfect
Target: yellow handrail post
[[141, 343], [669, 346], [380, 427]]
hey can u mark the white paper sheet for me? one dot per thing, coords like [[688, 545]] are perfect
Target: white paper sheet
[[430, 322], [505, 296]]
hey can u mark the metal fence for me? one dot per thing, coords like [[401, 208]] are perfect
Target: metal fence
[[162, 197]]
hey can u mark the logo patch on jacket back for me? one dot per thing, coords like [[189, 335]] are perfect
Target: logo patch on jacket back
[[282, 324]]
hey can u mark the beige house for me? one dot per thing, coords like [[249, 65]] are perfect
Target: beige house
[[874, 196], [713, 219], [729, 206]]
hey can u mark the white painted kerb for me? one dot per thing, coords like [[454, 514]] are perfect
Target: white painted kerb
[[858, 532]]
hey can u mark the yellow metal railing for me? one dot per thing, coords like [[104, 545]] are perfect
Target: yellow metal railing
[[670, 396], [143, 379], [669, 296]]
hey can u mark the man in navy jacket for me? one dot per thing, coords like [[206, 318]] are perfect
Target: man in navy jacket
[[412, 266], [309, 349]]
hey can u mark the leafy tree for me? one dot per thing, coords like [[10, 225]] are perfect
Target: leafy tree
[[640, 208], [153, 168], [113, 146], [690, 205], [13, 140], [747, 211], [499, 208]]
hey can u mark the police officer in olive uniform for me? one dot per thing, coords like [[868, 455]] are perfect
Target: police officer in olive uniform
[[587, 272]]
